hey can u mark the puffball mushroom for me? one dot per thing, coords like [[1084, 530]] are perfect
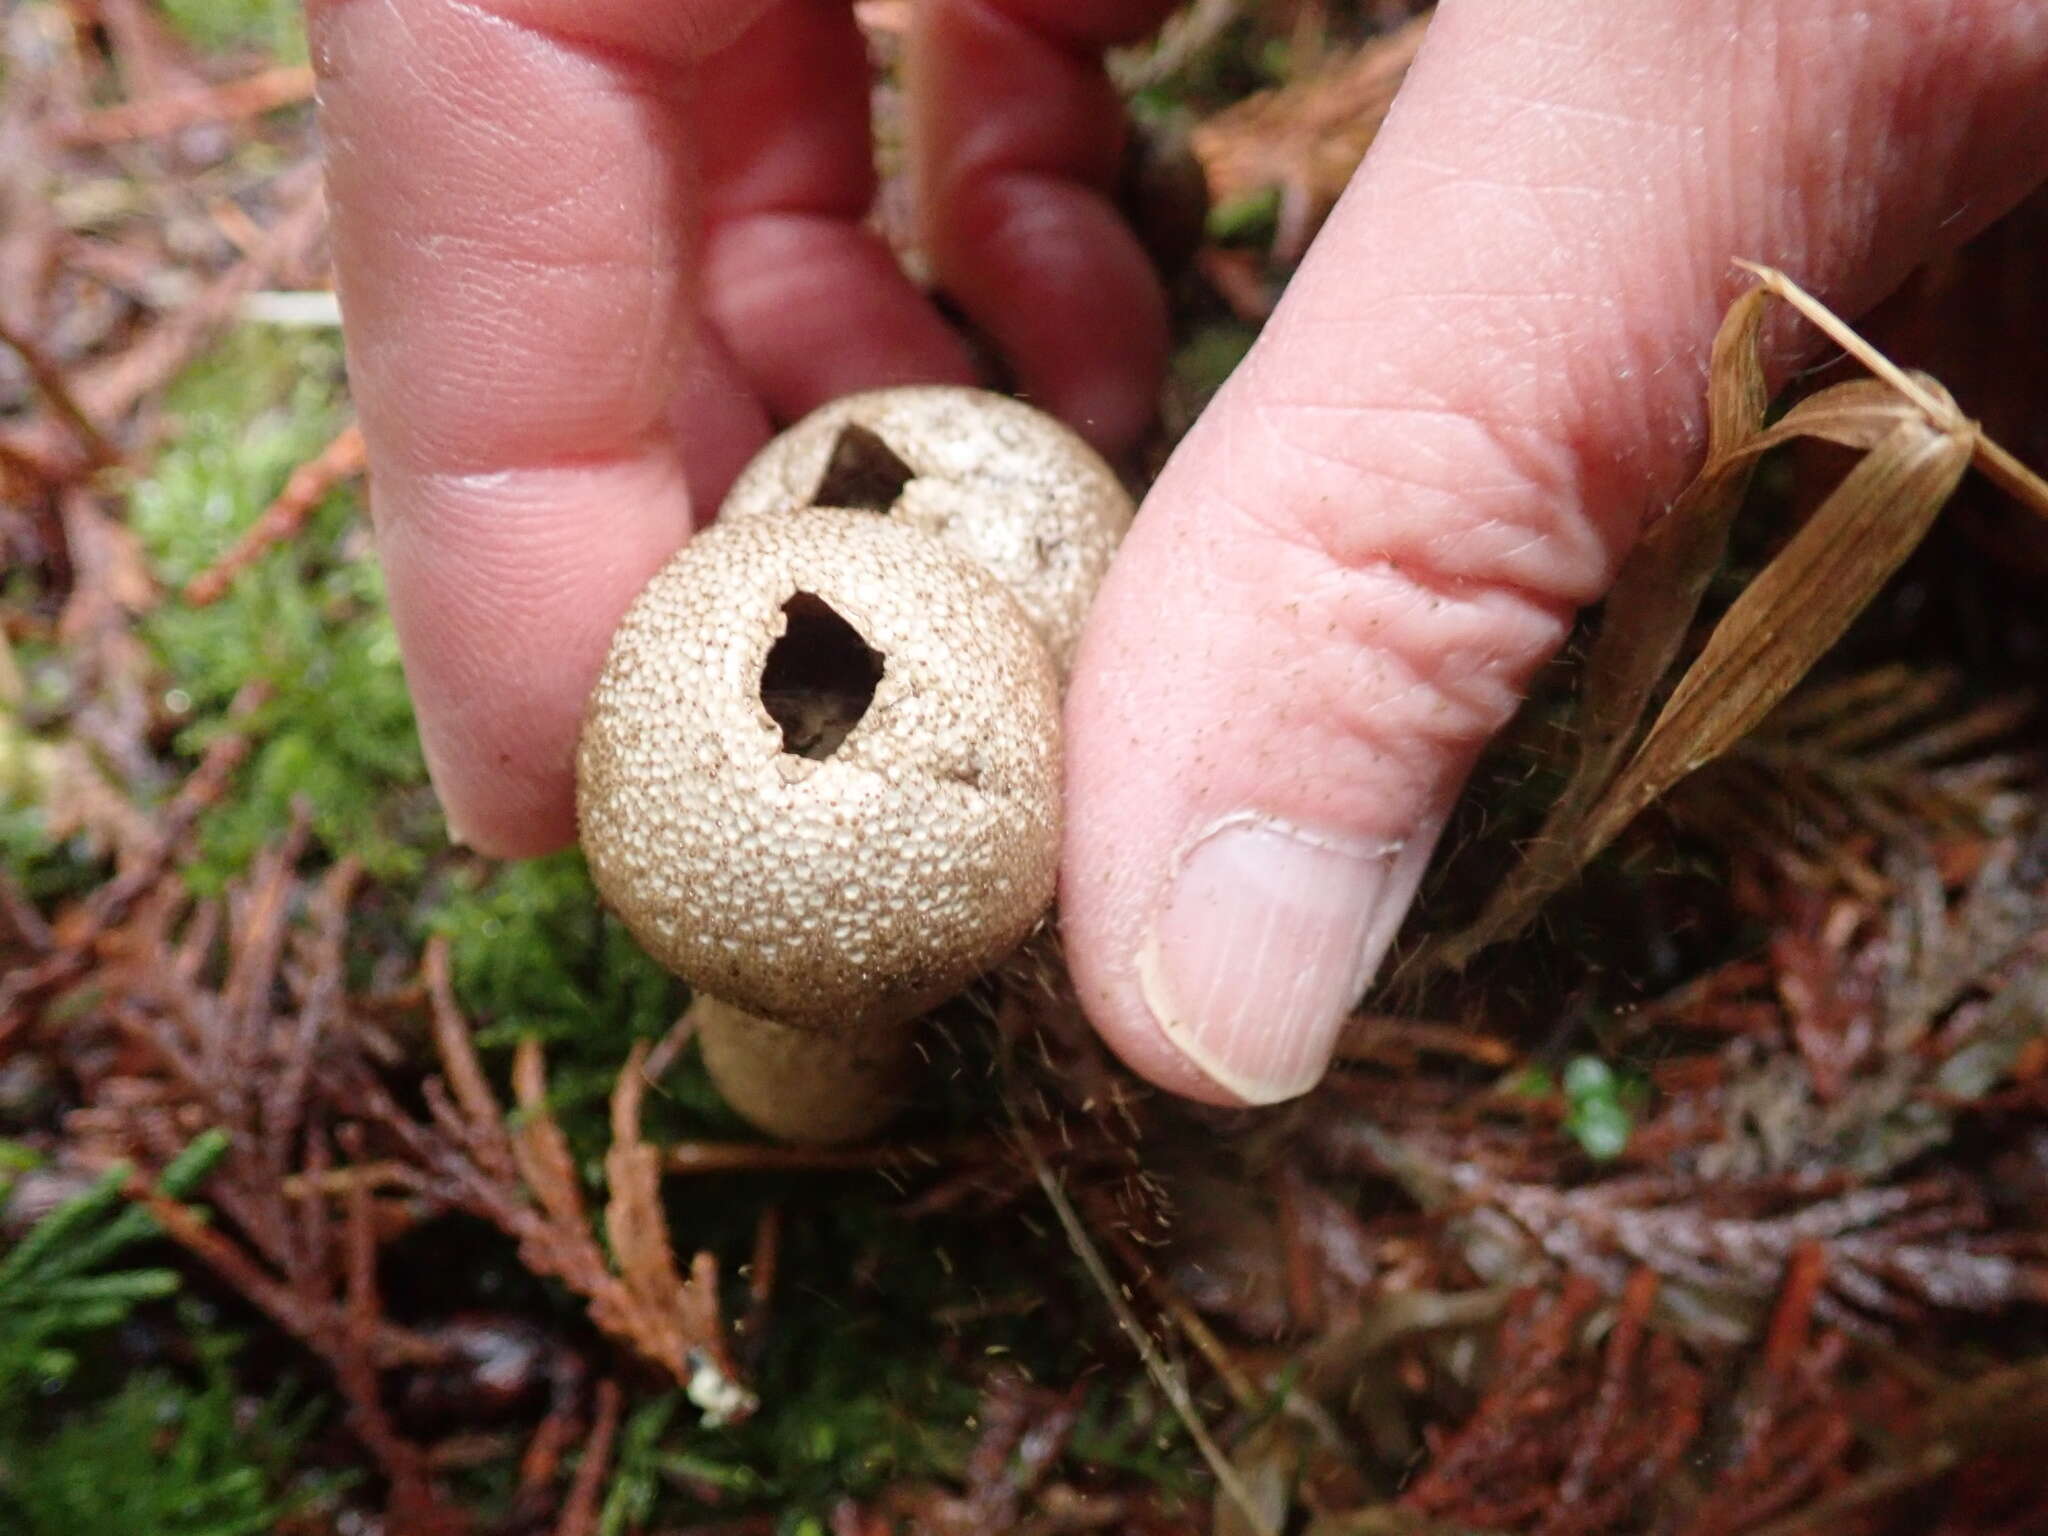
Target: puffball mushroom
[[819, 775], [1002, 482], [819, 780]]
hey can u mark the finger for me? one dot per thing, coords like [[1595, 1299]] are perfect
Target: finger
[[716, 420], [1487, 375], [1017, 138], [513, 194], [812, 301]]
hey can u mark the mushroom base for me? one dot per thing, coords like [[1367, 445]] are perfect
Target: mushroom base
[[805, 1085]]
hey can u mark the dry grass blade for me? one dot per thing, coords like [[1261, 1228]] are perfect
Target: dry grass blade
[[1997, 465], [1170, 1385], [1796, 608], [1916, 444], [1656, 595], [1857, 414]]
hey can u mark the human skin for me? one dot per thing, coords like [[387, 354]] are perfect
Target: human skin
[[590, 251]]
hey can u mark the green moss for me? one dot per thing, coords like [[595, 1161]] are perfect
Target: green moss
[[307, 620], [1602, 1106], [58, 1286], [534, 953], [533, 950], [271, 27], [160, 1452], [1249, 219], [1202, 363], [160, 1456], [34, 684]]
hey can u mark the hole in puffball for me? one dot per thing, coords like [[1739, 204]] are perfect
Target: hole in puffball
[[820, 678], [863, 472]]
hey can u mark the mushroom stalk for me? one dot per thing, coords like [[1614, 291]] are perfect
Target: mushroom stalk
[[807, 1085]]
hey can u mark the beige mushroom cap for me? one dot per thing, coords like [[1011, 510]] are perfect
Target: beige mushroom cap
[[789, 865], [1002, 482]]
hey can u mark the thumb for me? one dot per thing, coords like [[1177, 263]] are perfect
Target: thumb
[[1486, 377]]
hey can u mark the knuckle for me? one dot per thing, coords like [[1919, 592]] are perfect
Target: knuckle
[[1427, 580]]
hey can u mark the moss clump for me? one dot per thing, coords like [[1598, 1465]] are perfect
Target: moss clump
[[159, 1455], [307, 619], [273, 28], [158, 1452], [534, 953]]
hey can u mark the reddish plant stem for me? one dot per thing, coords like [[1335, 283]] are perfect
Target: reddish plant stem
[[341, 460]]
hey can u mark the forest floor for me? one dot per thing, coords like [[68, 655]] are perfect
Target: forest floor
[[354, 1183]]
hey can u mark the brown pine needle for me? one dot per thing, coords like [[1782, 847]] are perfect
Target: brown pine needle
[[264, 91], [342, 459], [580, 1508], [56, 389]]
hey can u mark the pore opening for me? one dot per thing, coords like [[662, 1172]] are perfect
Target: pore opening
[[820, 678], [862, 472]]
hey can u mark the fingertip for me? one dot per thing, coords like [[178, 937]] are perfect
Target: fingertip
[[505, 589], [504, 818], [1017, 136]]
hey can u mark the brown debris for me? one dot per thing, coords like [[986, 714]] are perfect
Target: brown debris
[[580, 1508], [218, 1057], [49, 379], [169, 112], [1914, 445], [521, 1178], [80, 929], [1562, 1443], [1305, 138]]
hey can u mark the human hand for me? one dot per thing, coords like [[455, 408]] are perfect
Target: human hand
[[1485, 379]]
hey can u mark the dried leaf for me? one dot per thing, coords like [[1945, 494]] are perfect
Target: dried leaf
[[1306, 138], [1859, 414], [1917, 445], [1797, 607], [1993, 461]]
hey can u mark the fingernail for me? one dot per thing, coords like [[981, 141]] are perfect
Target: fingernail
[[1264, 942]]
